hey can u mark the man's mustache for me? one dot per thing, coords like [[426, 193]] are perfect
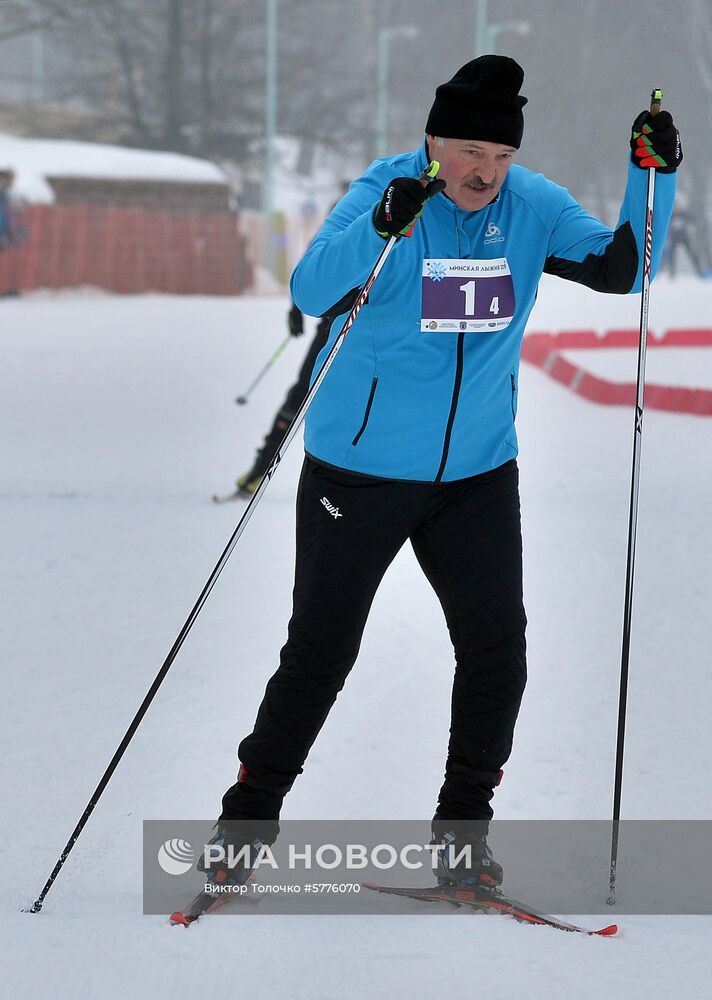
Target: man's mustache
[[479, 184]]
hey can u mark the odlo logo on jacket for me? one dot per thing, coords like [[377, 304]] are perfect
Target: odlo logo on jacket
[[334, 511], [494, 234]]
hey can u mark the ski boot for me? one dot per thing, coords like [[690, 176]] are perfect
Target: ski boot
[[247, 485], [231, 854], [465, 858]]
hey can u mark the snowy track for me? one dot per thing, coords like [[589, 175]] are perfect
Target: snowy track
[[118, 423]]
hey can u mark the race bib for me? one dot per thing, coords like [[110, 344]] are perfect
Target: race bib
[[466, 295]]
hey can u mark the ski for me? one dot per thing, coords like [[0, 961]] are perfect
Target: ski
[[227, 497], [489, 901], [204, 902]]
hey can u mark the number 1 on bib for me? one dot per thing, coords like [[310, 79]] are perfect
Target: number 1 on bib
[[469, 290]]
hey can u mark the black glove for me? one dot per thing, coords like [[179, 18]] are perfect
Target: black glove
[[295, 321], [402, 205], [655, 142]]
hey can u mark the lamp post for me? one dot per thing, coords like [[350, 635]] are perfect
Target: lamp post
[[486, 33], [37, 66], [516, 27], [481, 30], [384, 38], [270, 127]]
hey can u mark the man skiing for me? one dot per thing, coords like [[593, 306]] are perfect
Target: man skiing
[[412, 435]]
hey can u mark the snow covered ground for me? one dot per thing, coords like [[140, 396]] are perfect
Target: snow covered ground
[[118, 422]]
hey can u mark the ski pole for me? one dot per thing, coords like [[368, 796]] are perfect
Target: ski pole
[[655, 103], [242, 400], [424, 178]]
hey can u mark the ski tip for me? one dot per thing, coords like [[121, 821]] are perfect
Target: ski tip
[[235, 495], [178, 919], [371, 885], [609, 931]]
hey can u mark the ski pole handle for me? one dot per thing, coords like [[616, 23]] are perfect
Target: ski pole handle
[[656, 100], [430, 173]]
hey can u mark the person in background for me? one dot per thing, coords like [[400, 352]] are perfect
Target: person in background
[[680, 238], [250, 480], [248, 483], [10, 232]]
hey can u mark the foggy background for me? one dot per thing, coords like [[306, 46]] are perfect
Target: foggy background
[[341, 83]]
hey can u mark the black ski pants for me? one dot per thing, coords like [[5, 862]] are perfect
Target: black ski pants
[[466, 536]]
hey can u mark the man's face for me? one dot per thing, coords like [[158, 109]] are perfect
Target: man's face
[[473, 170]]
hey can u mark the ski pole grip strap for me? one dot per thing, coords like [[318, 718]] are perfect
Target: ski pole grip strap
[[265, 780]]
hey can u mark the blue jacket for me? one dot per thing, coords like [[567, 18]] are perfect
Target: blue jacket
[[416, 396]]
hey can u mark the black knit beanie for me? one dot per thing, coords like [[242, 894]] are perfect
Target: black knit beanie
[[481, 102]]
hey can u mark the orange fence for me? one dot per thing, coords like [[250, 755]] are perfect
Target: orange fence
[[128, 251], [543, 350]]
